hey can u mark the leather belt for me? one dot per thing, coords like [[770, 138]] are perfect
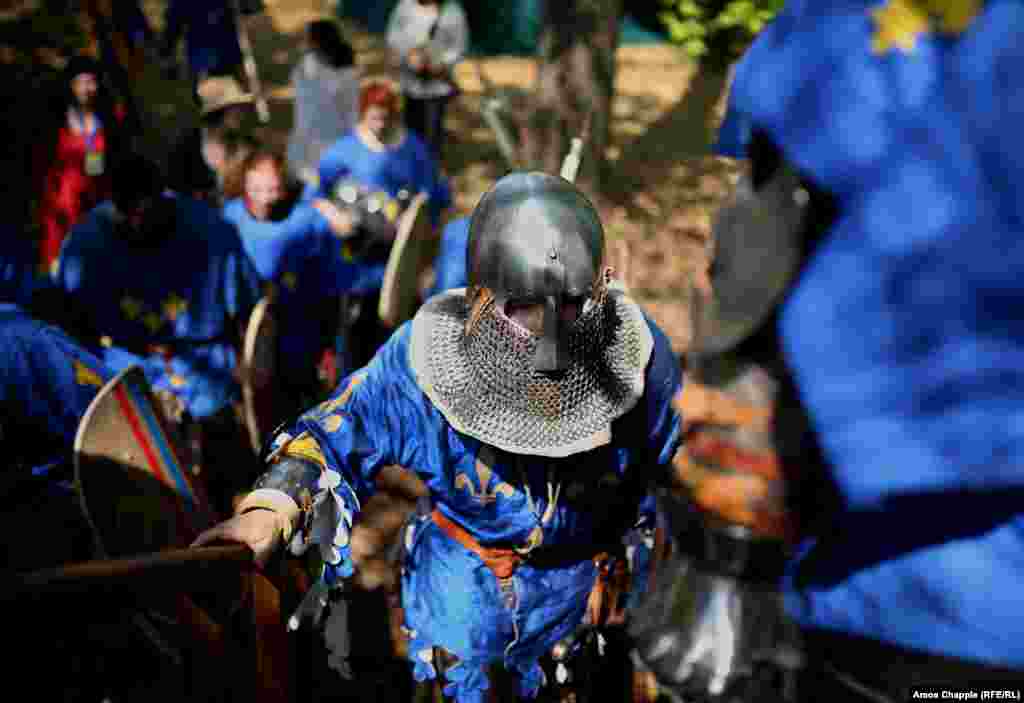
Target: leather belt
[[503, 561]]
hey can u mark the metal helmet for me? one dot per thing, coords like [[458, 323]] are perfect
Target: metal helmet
[[533, 239], [536, 238]]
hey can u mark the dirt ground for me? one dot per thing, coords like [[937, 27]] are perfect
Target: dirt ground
[[665, 184]]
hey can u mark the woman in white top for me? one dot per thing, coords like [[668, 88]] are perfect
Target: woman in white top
[[326, 85], [427, 39]]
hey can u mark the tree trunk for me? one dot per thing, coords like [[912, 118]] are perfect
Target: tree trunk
[[575, 78]]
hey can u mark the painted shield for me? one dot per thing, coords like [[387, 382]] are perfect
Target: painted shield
[[259, 359], [133, 487], [412, 253]]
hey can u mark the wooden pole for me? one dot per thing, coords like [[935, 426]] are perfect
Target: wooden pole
[[109, 572]]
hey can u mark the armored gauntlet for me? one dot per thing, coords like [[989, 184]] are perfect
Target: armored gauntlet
[[711, 626]]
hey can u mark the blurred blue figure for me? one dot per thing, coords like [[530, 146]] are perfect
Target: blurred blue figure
[[450, 264], [164, 283], [899, 336], [299, 257]]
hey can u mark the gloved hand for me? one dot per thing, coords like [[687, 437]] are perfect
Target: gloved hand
[[707, 636], [714, 620]]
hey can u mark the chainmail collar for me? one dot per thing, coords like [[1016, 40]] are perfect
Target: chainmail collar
[[485, 385]]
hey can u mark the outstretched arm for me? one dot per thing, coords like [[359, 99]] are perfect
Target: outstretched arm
[[318, 473]]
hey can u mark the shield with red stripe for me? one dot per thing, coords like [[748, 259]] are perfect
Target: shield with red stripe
[[135, 491]]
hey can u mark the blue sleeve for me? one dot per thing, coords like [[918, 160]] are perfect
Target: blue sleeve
[[48, 379], [325, 267], [333, 167], [664, 380], [450, 264], [67, 275], [431, 181], [311, 191], [352, 435], [242, 282]]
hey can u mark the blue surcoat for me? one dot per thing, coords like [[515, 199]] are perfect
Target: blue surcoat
[[569, 507]]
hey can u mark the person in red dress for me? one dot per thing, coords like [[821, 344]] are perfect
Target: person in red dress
[[72, 163]]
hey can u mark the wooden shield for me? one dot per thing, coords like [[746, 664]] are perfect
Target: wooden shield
[[133, 488], [259, 361], [413, 251]]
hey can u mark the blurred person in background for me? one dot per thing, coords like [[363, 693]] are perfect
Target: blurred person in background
[[162, 281], [79, 138], [381, 163], [428, 38], [202, 159], [326, 87], [867, 276], [298, 258]]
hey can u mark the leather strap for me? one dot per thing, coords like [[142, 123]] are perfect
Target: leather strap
[[502, 562]]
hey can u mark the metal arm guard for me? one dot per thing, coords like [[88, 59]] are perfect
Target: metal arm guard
[[297, 478], [711, 626]]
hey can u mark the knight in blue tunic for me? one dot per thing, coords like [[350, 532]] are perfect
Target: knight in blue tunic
[[535, 407], [380, 156], [164, 283], [882, 215], [366, 180], [169, 286]]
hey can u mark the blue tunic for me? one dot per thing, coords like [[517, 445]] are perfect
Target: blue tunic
[[408, 166], [450, 264], [211, 34], [189, 293], [304, 261], [904, 332], [46, 383], [381, 417]]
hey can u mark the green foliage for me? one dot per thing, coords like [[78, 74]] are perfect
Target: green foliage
[[716, 31]]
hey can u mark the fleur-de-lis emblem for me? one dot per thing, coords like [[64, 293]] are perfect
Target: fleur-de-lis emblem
[[485, 495], [899, 23], [174, 306], [327, 407]]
